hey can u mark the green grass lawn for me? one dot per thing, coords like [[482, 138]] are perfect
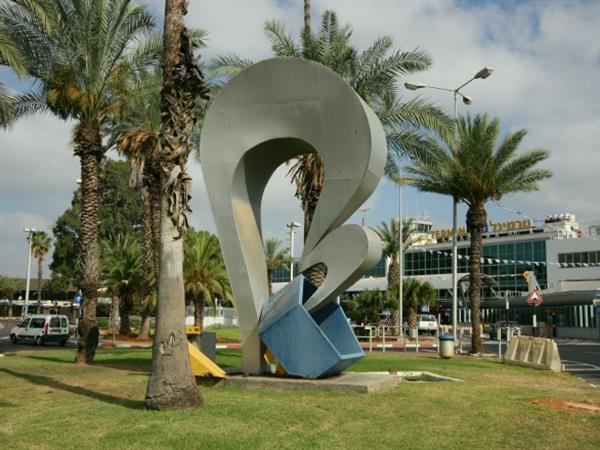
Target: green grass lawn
[[229, 333], [47, 402]]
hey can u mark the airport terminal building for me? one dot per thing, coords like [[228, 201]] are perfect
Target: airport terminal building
[[563, 254]]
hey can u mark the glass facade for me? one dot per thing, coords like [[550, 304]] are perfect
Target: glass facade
[[378, 271], [505, 262], [578, 258]]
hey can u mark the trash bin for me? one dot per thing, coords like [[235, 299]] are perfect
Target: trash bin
[[446, 346]]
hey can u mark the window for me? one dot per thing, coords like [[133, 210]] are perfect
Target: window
[[37, 323], [55, 322], [63, 322]]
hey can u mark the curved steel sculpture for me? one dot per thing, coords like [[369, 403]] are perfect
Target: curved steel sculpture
[[269, 113]]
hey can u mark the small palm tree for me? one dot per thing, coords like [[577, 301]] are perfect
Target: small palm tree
[[40, 246], [122, 274], [77, 65], [204, 273], [415, 294], [275, 258], [475, 169], [390, 238]]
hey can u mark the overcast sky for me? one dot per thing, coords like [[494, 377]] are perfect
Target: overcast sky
[[546, 60]]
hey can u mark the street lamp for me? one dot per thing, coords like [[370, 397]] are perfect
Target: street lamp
[[400, 264], [29, 232], [291, 226], [481, 75]]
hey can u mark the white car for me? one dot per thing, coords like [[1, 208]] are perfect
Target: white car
[[42, 328], [427, 323]]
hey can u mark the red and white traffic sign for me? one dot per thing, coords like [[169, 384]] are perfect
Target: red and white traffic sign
[[535, 298]]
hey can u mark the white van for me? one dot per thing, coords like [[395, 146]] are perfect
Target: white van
[[42, 328], [427, 323]]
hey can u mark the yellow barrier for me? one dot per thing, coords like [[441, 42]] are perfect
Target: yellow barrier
[[202, 365]]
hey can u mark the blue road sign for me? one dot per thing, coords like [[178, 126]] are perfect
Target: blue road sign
[[77, 299]]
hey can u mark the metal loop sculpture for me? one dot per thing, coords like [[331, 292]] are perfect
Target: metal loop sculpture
[[269, 113]]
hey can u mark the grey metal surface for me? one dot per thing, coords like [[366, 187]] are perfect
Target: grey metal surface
[[269, 113]]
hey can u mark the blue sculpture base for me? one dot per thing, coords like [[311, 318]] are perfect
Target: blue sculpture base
[[308, 345]]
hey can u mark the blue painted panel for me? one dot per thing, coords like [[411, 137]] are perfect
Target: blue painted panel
[[307, 346]]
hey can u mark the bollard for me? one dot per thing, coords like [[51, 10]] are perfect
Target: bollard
[[417, 346], [499, 336]]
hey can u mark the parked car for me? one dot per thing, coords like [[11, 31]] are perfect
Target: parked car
[[42, 328], [501, 324], [427, 323]]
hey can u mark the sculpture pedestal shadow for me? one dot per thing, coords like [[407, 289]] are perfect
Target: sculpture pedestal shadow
[[313, 344]]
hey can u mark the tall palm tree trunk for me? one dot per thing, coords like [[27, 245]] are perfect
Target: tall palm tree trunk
[[199, 303], [155, 201], [125, 308], [148, 258], [171, 384], [307, 15], [412, 316], [89, 149], [270, 278], [476, 220]]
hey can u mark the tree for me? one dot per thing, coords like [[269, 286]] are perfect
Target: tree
[[120, 213], [171, 384], [275, 257], [475, 169], [373, 74], [122, 274], [367, 307], [8, 288], [389, 235], [40, 245], [136, 136], [204, 273], [76, 62], [415, 294]]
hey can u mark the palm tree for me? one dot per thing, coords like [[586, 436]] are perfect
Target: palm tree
[[415, 294], [77, 66], [373, 74], [389, 235], [171, 384], [8, 287], [136, 135], [40, 246], [275, 257], [474, 169], [11, 53], [122, 274], [204, 273]]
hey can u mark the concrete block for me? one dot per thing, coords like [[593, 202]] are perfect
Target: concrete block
[[540, 353]]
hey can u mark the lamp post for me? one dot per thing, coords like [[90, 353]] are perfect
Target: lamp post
[[291, 227], [29, 232], [482, 74], [400, 263]]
